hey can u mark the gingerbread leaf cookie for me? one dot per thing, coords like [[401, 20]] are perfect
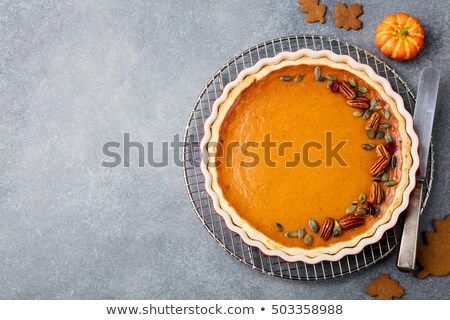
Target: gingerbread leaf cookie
[[434, 257], [347, 18], [385, 288], [315, 11]]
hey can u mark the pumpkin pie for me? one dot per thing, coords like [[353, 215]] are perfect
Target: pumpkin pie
[[309, 156]]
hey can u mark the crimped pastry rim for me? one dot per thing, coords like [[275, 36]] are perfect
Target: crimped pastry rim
[[410, 159]]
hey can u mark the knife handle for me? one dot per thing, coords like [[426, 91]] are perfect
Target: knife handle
[[406, 260]]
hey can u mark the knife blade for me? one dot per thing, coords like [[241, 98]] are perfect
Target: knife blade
[[423, 125]]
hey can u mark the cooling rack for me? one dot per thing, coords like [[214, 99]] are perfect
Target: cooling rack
[[194, 180]]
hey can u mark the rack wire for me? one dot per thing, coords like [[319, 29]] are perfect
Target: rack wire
[[214, 223]]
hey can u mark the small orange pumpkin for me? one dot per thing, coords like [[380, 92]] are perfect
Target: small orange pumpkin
[[400, 37]]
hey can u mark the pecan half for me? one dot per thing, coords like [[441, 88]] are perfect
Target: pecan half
[[373, 121], [380, 163], [359, 103], [375, 196], [382, 151], [351, 221], [326, 229], [347, 90]]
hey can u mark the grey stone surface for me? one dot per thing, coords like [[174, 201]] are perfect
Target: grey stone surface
[[77, 74]]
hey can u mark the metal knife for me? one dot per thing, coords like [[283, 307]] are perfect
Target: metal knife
[[423, 125]]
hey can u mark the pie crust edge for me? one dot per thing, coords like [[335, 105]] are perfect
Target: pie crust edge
[[408, 154]]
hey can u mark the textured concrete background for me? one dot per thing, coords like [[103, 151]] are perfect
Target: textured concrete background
[[77, 74]]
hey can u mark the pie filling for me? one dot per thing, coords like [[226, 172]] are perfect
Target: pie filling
[[293, 147]]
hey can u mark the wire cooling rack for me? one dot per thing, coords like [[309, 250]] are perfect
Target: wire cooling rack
[[214, 223]]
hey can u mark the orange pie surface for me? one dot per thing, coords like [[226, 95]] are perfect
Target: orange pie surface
[[315, 167]]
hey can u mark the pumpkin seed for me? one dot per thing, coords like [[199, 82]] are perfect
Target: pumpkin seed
[[285, 78], [360, 94], [350, 209], [384, 126], [332, 78], [357, 113], [375, 107], [386, 176], [393, 161], [376, 179], [362, 198], [291, 234], [313, 225], [380, 174], [329, 83], [390, 183], [370, 133], [317, 72], [354, 202], [352, 82], [279, 226], [321, 79], [298, 78], [337, 230], [373, 102], [388, 137], [387, 114], [363, 211], [308, 240], [367, 114], [377, 211], [380, 135], [363, 90], [368, 146], [301, 232]]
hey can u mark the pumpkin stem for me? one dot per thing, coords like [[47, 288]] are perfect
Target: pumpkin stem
[[404, 31]]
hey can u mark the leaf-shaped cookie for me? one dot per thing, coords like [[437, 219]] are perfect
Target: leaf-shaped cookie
[[347, 18], [434, 257], [385, 288], [315, 11]]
